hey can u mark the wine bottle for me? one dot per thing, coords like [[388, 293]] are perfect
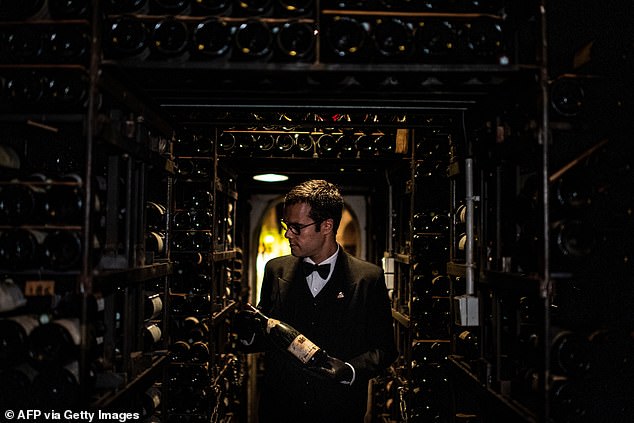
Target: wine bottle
[[284, 144], [152, 335], [155, 215], [201, 200], [384, 144], [611, 352], [65, 201], [346, 143], [226, 142], [127, 37], [22, 10], [569, 400], [346, 37], [467, 345], [153, 306], [180, 351], [57, 386], [169, 38], [327, 146], [570, 354], [365, 145], [253, 40], [288, 338], [55, 343], [182, 220], [14, 334], [436, 41], [482, 42], [194, 330], [16, 386], [19, 248], [430, 352], [154, 245], [568, 96], [11, 296], [430, 248], [62, 250], [430, 221], [22, 202], [25, 45], [202, 241], [212, 38], [394, 38], [200, 352], [575, 240], [304, 144], [201, 220], [264, 144], [150, 402], [295, 41]]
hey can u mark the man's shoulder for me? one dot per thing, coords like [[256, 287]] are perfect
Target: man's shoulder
[[358, 265], [281, 262]]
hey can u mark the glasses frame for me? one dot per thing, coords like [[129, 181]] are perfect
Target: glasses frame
[[296, 228]]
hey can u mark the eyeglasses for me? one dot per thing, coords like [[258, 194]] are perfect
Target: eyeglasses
[[296, 228]]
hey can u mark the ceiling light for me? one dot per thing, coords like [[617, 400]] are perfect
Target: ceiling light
[[270, 177]]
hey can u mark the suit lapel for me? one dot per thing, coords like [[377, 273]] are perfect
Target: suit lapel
[[337, 288]]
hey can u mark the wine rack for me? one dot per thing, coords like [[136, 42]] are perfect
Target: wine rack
[[205, 377], [420, 296], [88, 316], [532, 355]]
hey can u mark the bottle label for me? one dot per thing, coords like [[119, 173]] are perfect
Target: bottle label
[[303, 348], [155, 332]]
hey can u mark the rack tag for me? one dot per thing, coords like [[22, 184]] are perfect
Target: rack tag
[[39, 288]]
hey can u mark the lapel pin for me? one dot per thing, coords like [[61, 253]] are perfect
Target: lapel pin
[[340, 295]]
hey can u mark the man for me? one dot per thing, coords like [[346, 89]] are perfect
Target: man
[[343, 308]]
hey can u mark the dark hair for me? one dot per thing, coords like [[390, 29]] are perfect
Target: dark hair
[[323, 197]]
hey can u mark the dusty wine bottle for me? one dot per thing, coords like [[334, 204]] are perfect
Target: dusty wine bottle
[[14, 333], [212, 38], [394, 38], [127, 37], [286, 337], [170, 38], [295, 40], [253, 40]]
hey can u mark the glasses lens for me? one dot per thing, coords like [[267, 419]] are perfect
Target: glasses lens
[[293, 228]]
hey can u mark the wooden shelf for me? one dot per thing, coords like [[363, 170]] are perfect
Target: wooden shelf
[[108, 279], [147, 376], [219, 315], [500, 407]]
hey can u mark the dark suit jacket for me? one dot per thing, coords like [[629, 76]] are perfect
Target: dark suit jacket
[[350, 318]]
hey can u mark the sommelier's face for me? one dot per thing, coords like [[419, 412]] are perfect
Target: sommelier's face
[[309, 242]]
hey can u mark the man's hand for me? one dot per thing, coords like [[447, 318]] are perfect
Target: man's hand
[[335, 369], [246, 326]]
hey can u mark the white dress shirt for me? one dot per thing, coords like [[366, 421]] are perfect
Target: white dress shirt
[[315, 282]]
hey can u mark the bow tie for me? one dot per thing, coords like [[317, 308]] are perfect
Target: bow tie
[[322, 269]]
